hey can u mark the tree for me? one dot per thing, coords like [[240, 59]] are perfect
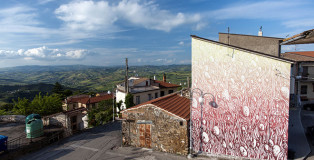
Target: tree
[[105, 105], [22, 106], [43, 105], [129, 100], [118, 105], [67, 93], [58, 88], [102, 114], [46, 105]]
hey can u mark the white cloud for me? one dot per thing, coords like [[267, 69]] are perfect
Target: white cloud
[[181, 43], [259, 10], [87, 15], [307, 22], [90, 15], [44, 53]]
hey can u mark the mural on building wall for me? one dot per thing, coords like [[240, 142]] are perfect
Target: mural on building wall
[[252, 93]]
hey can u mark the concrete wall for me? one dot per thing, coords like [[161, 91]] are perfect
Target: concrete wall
[[268, 45], [166, 132], [252, 93], [13, 118]]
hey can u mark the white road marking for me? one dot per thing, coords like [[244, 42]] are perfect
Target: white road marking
[[77, 146]]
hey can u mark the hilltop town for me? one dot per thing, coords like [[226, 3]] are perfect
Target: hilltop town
[[244, 99]]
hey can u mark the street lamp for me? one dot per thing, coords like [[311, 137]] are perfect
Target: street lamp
[[201, 101]]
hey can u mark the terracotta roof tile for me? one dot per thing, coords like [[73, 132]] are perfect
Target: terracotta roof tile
[[87, 100], [163, 84], [172, 103], [299, 56]]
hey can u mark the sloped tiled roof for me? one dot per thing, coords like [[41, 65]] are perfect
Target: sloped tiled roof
[[172, 103], [88, 100], [163, 84], [140, 80], [305, 56]]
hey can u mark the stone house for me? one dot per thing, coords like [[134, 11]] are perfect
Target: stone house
[[160, 124], [251, 89], [144, 89], [70, 120], [85, 101]]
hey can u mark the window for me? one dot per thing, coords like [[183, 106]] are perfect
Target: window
[[146, 83], [156, 95], [138, 100], [149, 97], [304, 89], [170, 91], [162, 93], [305, 71], [74, 105]]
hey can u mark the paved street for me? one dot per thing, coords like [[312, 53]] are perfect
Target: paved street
[[102, 142], [297, 139], [308, 121]]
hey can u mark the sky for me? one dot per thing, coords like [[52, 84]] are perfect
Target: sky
[[147, 32]]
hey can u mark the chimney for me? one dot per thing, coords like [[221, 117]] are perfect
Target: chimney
[[164, 78], [260, 32]]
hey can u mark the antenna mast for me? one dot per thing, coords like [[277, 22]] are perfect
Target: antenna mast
[[228, 36]]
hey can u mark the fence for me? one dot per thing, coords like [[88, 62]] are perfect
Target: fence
[[22, 145]]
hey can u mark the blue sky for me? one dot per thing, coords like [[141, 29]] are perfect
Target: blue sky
[[148, 32]]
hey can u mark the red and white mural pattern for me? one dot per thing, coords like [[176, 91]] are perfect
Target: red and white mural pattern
[[252, 93]]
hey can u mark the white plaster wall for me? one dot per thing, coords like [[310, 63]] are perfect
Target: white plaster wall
[[120, 96]]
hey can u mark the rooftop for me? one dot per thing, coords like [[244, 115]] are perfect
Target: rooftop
[[90, 100], [173, 103], [305, 37], [306, 56], [163, 84]]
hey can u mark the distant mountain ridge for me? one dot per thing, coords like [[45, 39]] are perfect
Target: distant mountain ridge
[[84, 77]]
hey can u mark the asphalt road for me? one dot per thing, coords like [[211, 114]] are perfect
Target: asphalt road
[[103, 142], [86, 145]]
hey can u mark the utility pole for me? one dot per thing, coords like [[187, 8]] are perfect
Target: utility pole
[[228, 36], [126, 83]]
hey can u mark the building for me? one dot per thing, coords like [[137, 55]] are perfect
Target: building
[[251, 89], [144, 89], [267, 45], [70, 120], [302, 79], [85, 101], [160, 124]]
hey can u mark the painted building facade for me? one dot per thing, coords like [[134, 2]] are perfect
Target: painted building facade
[[251, 90]]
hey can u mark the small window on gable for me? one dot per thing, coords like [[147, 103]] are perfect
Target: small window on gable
[[181, 123]]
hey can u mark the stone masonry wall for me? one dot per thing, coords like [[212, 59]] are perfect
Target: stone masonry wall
[[167, 134]]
